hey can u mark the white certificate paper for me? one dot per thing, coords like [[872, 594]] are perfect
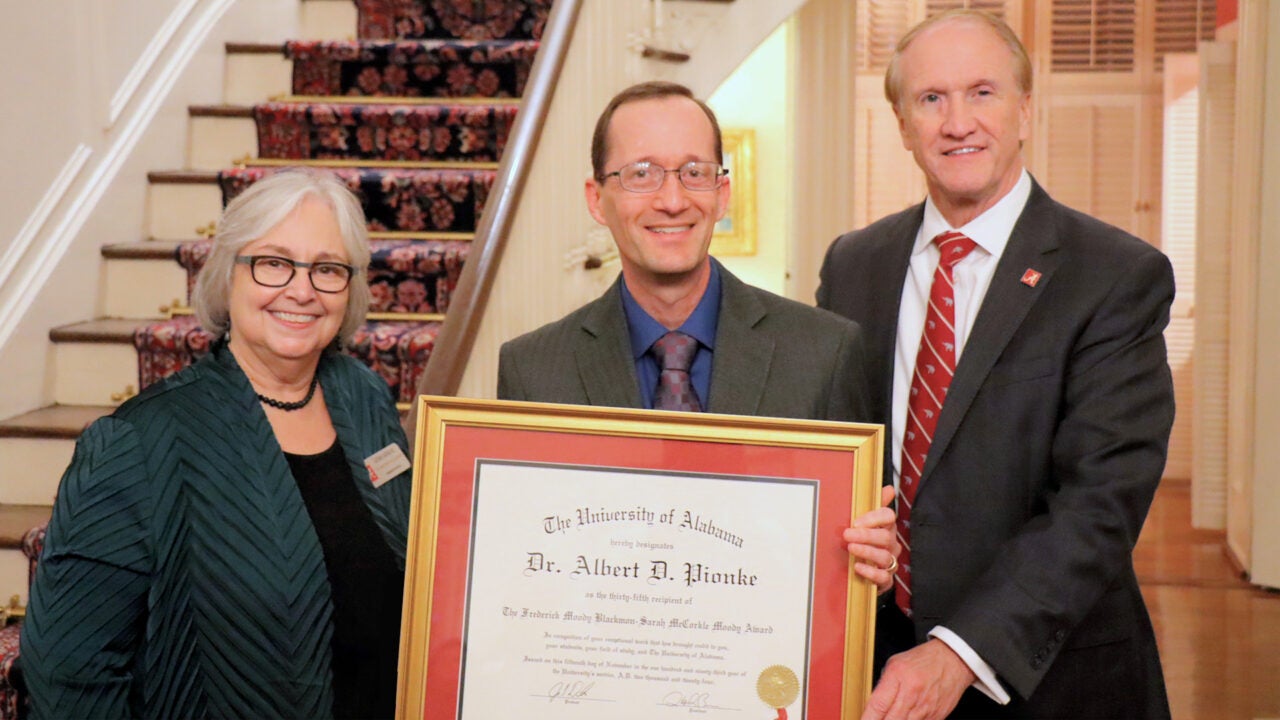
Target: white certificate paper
[[619, 593]]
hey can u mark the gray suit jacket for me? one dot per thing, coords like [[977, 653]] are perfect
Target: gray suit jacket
[[773, 357], [1046, 456]]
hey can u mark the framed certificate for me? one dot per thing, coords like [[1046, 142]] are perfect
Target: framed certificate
[[577, 562]]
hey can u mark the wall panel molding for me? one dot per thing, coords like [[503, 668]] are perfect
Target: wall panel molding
[[146, 62], [39, 216], [34, 268]]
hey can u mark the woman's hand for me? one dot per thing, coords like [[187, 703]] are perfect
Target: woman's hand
[[873, 543]]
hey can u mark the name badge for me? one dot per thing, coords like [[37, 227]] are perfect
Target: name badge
[[385, 464]]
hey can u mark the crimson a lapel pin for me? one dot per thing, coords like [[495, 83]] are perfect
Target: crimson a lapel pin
[[1031, 277]]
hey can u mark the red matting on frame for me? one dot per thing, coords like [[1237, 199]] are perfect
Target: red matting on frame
[[834, 470]]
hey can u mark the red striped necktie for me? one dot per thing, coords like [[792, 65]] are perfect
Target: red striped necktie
[[935, 366]]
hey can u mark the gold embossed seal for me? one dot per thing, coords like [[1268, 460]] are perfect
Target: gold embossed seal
[[778, 686]]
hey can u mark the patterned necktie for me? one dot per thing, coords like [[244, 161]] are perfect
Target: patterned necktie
[[675, 391], [935, 366]]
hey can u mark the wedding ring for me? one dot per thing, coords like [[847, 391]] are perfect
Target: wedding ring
[[893, 567]]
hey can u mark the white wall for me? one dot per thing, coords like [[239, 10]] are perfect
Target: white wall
[[95, 96]]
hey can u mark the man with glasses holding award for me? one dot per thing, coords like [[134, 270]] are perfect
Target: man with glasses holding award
[[677, 331]]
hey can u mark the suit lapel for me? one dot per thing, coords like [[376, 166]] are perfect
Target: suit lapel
[[740, 363], [883, 271], [886, 287], [603, 353], [1032, 245]]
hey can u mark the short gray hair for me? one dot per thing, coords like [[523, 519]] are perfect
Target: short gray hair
[[1022, 71], [256, 212]]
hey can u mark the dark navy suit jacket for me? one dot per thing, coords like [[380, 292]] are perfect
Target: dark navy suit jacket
[[1047, 454]]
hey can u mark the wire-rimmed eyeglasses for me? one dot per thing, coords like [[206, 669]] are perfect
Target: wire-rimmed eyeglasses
[[646, 177], [274, 271]]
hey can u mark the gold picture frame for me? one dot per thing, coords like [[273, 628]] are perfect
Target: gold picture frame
[[735, 234], [460, 440]]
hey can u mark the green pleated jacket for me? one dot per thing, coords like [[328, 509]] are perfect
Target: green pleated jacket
[[182, 576]]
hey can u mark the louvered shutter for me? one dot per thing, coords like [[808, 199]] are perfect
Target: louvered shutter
[[880, 23], [995, 7], [889, 178], [1180, 25], [878, 26], [1093, 35], [1092, 156]]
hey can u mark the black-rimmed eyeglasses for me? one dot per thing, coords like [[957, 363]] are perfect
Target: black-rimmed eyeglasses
[[274, 271], [646, 177]]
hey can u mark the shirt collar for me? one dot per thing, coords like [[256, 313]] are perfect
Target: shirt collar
[[990, 230], [701, 324]]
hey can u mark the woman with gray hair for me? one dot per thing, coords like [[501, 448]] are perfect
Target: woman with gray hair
[[231, 542]]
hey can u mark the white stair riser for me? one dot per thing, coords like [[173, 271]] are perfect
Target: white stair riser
[[218, 142], [254, 78], [328, 20], [89, 373], [138, 288], [176, 210], [13, 575], [33, 468]]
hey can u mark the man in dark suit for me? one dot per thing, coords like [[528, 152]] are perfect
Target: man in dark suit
[[1029, 403], [659, 187]]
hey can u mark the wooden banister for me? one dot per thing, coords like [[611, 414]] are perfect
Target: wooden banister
[[457, 337]]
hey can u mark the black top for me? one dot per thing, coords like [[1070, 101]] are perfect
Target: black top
[[367, 585]]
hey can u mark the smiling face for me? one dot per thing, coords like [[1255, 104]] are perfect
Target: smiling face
[[282, 326], [963, 116], [662, 236]]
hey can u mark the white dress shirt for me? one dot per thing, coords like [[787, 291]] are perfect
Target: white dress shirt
[[972, 276]]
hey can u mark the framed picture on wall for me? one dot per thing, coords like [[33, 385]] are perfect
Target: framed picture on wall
[[735, 234]]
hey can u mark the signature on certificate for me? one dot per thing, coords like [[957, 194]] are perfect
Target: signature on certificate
[[693, 701], [569, 692]]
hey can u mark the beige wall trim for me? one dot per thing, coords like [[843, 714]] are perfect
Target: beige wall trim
[[824, 135], [1246, 189], [1264, 567], [1210, 291]]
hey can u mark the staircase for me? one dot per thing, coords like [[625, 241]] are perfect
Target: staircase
[[414, 116]]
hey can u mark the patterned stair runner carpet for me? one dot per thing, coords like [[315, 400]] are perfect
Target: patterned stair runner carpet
[[472, 133], [415, 200], [416, 68], [464, 19], [455, 49]]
